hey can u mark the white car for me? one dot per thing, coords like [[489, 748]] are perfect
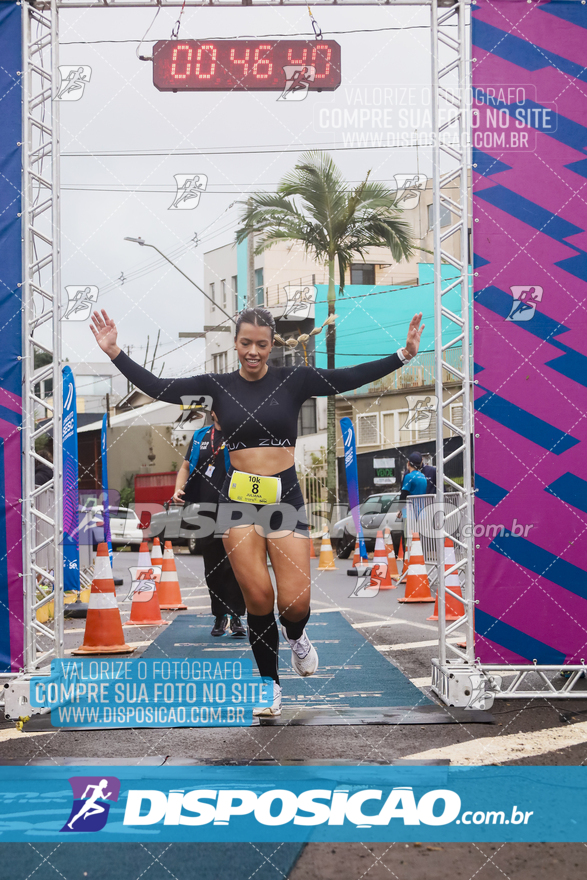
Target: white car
[[377, 512], [124, 526]]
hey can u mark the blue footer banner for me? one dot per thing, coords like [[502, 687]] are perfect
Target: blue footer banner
[[281, 804]]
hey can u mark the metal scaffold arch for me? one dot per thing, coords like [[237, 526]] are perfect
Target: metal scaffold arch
[[458, 679]]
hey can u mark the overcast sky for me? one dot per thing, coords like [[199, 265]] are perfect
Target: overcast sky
[[122, 110]]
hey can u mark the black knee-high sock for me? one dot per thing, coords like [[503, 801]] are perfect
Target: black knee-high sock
[[264, 639], [294, 629]]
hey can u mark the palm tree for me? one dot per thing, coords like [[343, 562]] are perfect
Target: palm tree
[[334, 222]]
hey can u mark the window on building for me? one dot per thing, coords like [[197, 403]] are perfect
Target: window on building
[[307, 417], [259, 290], [445, 219], [224, 292], [220, 362], [368, 429], [456, 415], [234, 285], [389, 434], [404, 435], [93, 386], [44, 389], [362, 273], [213, 293], [429, 431]]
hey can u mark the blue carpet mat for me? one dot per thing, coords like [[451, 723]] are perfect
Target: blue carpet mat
[[129, 861], [352, 674]]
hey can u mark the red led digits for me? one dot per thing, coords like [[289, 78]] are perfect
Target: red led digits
[[302, 60], [242, 65], [184, 60], [323, 57], [265, 49], [244, 61], [212, 52]]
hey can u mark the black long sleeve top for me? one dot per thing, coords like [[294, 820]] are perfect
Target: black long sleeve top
[[263, 412]]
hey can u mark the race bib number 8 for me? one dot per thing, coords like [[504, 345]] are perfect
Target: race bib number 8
[[254, 489]]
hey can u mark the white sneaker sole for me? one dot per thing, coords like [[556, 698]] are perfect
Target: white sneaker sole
[[307, 665], [267, 711]]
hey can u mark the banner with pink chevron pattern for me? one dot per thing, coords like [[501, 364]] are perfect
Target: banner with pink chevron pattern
[[529, 110]]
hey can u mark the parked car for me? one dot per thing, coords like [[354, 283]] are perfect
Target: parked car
[[124, 526], [177, 524], [377, 512]]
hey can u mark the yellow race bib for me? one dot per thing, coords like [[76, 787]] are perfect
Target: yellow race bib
[[254, 489]]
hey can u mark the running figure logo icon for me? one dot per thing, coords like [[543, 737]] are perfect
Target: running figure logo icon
[[189, 188], [80, 302], [409, 187], [300, 302], [297, 81], [90, 802], [196, 402], [421, 408], [73, 81], [144, 582], [524, 303]]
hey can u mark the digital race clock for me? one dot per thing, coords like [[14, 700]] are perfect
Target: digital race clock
[[246, 65]]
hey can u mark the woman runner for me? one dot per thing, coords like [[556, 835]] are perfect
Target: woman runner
[[258, 408]]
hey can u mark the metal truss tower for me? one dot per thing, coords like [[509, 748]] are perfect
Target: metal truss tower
[[451, 675], [42, 506]]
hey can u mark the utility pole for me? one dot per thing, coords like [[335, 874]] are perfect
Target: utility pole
[[251, 298]]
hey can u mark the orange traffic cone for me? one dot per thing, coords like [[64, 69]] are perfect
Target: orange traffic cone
[[103, 634], [453, 609], [145, 609], [359, 564], [326, 561], [380, 578], [144, 560], [168, 587], [417, 585], [391, 561], [156, 554], [312, 550], [404, 557]]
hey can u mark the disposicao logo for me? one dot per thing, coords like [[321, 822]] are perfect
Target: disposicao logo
[[90, 802], [281, 806]]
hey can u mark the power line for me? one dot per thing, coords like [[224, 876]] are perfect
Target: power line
[[238, 151], [310, 36]]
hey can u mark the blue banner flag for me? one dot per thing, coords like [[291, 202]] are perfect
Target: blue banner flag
[[105, 497], [352, 479], [366, 804], [71, 579]]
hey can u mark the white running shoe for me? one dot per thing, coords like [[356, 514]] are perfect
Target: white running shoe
[[275, 708], [304, 657]]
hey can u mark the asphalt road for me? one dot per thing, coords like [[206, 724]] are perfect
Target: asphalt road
[[523, 732]]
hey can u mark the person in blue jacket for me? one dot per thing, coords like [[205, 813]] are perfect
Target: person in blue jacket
[[414, 483], [199, 480]]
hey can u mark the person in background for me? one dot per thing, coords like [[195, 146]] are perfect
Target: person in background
[[200, 479], [429, 472], [44, 473], [414, 483]]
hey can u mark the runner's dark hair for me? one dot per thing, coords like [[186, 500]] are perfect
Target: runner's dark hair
[[258, 316]]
